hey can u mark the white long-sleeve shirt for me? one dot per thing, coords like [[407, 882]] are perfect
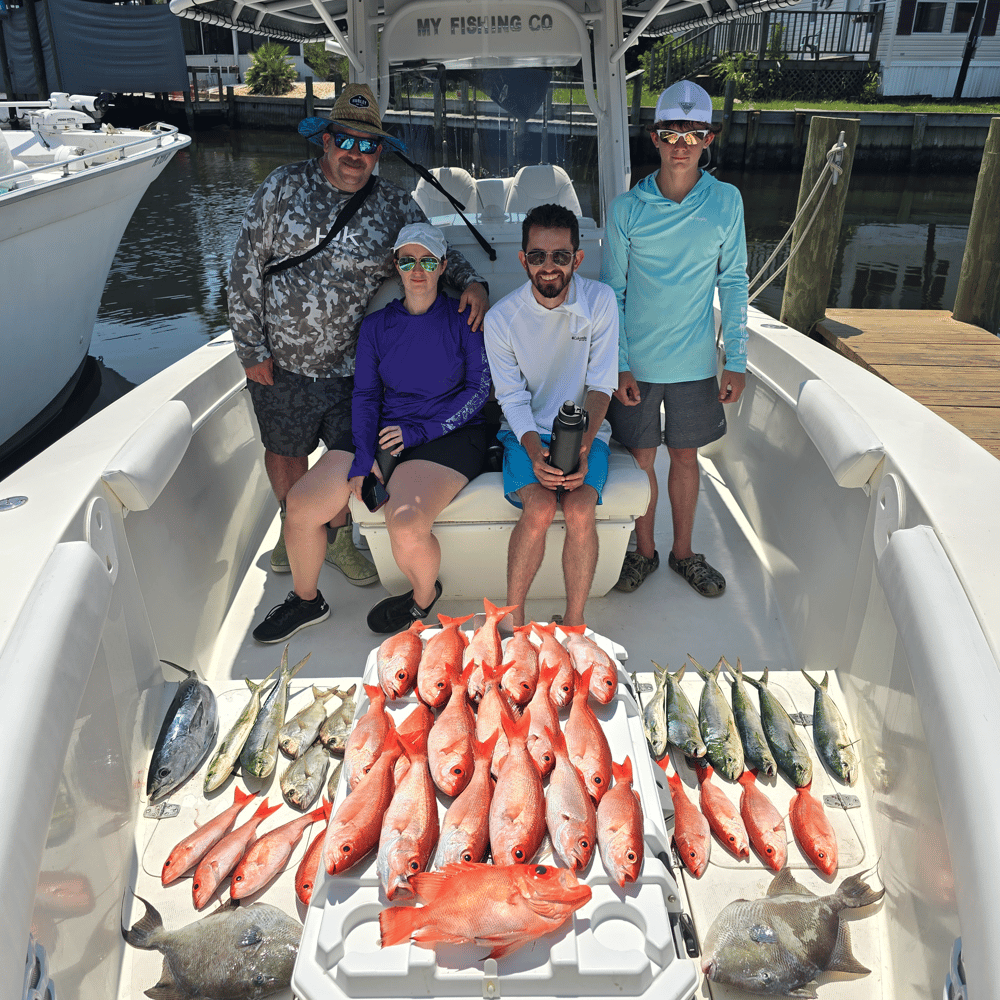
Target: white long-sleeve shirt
[[541, 357]]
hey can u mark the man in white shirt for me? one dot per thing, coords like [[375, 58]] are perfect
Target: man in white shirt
[[553, 339]]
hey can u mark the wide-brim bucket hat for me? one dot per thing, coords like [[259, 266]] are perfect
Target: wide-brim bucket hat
[[356, 109]]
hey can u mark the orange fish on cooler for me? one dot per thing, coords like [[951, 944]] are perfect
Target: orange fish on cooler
[[588, 746], [721, 814], [765, 825], [569, 812], [223, 857], [410, 825], [442, 656], [355, 826], [417, 723], [691, 831], [449, 743], [308, 871], [543, 716], [521, 677], [585, 653], [493, 706], [367, 738], [196, 845], [517, 812], [397, 661], [812, 830], [500, 908], [465, 829], [269, 854], [553, 653], [619, 827], [484, 647]]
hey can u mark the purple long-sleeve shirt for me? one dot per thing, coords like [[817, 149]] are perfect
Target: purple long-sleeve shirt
[[427, 373]]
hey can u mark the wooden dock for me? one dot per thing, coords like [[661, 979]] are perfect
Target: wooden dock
[[952, 368]]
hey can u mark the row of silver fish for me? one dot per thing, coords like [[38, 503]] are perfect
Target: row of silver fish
[[738, 737]]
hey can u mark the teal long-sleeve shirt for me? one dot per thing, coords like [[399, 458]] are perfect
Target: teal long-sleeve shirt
[[664, 259]]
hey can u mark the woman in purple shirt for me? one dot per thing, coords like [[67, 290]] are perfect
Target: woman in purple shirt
[[420, 381]]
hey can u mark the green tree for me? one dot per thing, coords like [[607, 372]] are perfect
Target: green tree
[[318, 59], [270, 71]]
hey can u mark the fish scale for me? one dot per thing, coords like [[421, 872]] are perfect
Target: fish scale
[[830, 734], [682, 722], [723, 746], [756, 753], [790, 753]]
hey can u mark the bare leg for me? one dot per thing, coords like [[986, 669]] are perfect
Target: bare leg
[[527, 544], [645, 541], [314, 498], [418, 492], [579, 550], [284, 472], [682, 487]]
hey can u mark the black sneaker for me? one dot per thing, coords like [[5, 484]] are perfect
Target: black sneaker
[[395, 613], [288, 618]]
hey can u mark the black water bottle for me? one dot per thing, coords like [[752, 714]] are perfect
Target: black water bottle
[[567, 436]]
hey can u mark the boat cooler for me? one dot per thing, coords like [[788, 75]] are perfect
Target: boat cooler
[[622, 943]]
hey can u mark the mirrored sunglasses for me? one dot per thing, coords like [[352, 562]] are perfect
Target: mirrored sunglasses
[[409, 263], [346, 142], [561, 258], [690, 138]]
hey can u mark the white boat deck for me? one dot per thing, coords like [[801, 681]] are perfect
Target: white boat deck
[[664, 620]]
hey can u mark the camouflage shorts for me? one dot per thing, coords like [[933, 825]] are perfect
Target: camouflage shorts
[[298, 411]]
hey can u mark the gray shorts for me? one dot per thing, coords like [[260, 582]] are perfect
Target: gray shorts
[[694, 415], [298, 411]]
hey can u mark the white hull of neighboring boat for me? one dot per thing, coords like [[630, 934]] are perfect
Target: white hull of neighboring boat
[[58, 241]]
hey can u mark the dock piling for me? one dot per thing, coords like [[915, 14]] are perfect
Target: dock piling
[[807, 283], [977, 299]]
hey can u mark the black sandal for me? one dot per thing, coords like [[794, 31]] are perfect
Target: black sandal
[[702, 577], [395, 613]]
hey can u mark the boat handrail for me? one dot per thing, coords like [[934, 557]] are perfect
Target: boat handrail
[[163, 131]]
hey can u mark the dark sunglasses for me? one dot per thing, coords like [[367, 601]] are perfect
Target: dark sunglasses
[[561, 258], [409, 263], [346, 142], [690, 138]]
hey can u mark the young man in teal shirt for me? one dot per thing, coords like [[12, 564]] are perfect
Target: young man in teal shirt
[[670, 241]]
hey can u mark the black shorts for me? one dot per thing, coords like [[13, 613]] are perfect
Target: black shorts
[[693, 414], [299, 411], [463, 450]]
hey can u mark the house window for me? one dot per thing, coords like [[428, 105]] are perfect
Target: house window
[[929, 16], [962, 21]]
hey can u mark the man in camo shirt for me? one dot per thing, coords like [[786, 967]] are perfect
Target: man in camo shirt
[[295, 331]]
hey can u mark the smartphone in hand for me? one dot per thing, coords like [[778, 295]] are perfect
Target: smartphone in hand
[[373, 493]]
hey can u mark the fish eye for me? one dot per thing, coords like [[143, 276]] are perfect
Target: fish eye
[[630, 856], [440, 685], [769, 850], [821, 855], [467, 856], [597, 779], [541, 870], [414, 866], [346, 848], [585, 843], [457, 771], [239, 878], [519, 854], [525, 685], [163, 772], [401, 675]]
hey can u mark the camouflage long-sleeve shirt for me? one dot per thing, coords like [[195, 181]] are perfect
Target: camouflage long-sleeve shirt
[[307, 317]]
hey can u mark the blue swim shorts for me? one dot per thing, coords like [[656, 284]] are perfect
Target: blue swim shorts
[[518, 472]]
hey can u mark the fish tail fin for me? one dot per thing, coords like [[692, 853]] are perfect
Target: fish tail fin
[[374, 691], [622, 772], [414, 744], [241, 797], [549, 673], [419, 626], [811, 681], [854, 892], [484, 750], [549, 627], [728, 667], [578, 629], [582, 690], [680, 673], [264, 810], [557, 739], [702, 672], [322, 813], [397, 923], [143, 928], [298, 666], [446, 621]]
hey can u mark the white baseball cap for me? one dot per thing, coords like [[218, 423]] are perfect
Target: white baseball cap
[[423, 234], [684, 101]]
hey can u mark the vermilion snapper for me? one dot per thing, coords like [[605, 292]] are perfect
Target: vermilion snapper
[[465, 829], [721, 814], [587, 744], [367, 737], [553, 653], [521, 677], [543, 716], [397, 661], [355, 826], [569, 812], [196, 845], [308, 871], [442, 656], [222, 858], [619, 827], [417, 723], [764, 823], [812, 830], [484, 647], [449, 743], [517, 812], [500, 908], [410, 825], [586, 654], [269, 854], [691, 831], [493, 706]]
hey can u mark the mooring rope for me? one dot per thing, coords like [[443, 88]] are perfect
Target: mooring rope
[[831, 171]]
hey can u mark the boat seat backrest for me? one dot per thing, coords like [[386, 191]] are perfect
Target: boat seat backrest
[[492, 193], [457, 181], [542, 184]]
